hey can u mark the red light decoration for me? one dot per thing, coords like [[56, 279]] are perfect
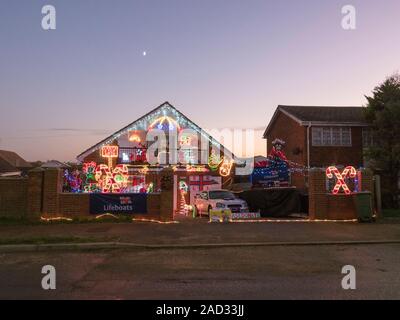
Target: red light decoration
[[348, 172], [111, 181], [109, 152]]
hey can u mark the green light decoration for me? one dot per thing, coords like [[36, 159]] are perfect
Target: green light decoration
[[214, 161]]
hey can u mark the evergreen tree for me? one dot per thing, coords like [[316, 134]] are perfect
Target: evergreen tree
[[383, 113]]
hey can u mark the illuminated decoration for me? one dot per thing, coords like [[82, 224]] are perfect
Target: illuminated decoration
[[109, 152], [274, 171], [165, 122], [143, 124], [106, 215], [135, 138], [112, 181], [277, 150], [183, 188], [291, 220], [89, 170], [225, 168], [150, 188], [152, 220], [201, 168], [348, 172], [214, 161], [185, 140], [55, 219], [125, 157], [144, 170], [72, 181]]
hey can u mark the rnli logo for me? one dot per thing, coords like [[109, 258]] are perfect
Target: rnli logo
[[125, 200]]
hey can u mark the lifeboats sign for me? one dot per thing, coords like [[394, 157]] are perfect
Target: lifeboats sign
[[132, 203]]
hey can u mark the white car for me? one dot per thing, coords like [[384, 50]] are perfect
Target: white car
[[218, 200]]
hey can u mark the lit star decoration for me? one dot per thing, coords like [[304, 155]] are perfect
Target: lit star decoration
[[348, 172], [165, 120]]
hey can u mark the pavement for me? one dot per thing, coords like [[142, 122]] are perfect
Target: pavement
[[274, 271], [199, 231]]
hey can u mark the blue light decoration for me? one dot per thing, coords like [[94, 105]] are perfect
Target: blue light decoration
[[274, 172], [274, 175]]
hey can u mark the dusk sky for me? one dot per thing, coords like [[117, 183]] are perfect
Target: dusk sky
[[223, 63]]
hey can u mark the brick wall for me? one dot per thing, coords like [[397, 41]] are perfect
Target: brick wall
[[324, 205], [295, 136], [13, 197]]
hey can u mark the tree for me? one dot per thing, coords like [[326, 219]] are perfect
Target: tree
[[383, 114]]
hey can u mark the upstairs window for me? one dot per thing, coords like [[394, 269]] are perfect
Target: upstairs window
[[331, 136]]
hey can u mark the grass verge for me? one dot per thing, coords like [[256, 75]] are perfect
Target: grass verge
[[391, 213]]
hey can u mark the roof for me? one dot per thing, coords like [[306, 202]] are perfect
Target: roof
[[166, 106], [12, 159], [55, 164], [322, 115]]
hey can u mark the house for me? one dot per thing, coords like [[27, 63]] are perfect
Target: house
[[10, 162], [55, 164], [199, 162], [320, 136]]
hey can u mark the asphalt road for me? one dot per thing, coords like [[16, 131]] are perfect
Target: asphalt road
[[298, 272]]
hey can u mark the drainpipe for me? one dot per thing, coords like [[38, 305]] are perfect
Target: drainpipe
[[308, 145]]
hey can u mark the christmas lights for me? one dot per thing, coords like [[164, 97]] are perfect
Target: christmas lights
[[225, 168], [165, 120], [153, 220], [349, 172], [106, 215], [55, 219], [109, 152], [111, 181], [183, 188], [134, 138], [89, 169], [214, 160], [201, 168]]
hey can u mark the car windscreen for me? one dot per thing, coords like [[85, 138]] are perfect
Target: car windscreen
[[225, 195]]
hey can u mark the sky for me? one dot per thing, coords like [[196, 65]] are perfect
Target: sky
[[223, 63]]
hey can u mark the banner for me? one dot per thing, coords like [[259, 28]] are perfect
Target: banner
[[129, 203]]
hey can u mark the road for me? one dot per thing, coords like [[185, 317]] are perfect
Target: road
[[281, 272]]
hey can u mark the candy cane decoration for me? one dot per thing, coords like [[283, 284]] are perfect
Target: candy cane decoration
[[350, 172]]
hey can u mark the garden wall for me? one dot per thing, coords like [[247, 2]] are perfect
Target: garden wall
[[40, 195], [13, 197], [326, 206]]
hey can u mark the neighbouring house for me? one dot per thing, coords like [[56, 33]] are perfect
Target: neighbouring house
[[55, 164], [320, 136], [12, 163]]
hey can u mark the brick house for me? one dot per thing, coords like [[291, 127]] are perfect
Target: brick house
[[320, 136]]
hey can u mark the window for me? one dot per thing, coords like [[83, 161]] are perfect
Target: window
[[331, 136]]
